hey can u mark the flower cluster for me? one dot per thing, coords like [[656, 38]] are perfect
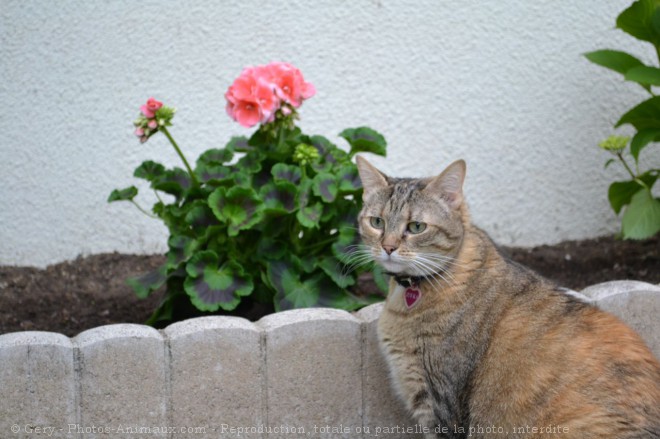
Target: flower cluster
[[260, 92], [152, 116], [614, 144], [305, 154]]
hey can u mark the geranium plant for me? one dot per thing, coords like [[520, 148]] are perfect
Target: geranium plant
[[269, 218], [641, 218]]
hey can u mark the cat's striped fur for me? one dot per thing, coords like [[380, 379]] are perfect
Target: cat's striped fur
[[490, 343]]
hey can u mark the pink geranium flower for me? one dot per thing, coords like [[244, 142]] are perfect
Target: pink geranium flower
[[153, 116], [149, 109], [259, 92], [290, 85]]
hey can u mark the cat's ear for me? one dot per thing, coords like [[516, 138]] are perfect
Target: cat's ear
[[372, 178], [449, 184]]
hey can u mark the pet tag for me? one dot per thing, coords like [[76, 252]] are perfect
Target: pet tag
[[412, 296]]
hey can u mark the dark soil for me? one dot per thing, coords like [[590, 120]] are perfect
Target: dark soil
[[73, 296]]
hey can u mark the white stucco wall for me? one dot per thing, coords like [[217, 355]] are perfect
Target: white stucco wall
[[501, 84]]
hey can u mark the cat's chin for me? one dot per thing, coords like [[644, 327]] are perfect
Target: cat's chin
[[397, 268], [391, 267]]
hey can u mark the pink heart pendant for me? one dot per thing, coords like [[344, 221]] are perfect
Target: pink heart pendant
[[412, 296]]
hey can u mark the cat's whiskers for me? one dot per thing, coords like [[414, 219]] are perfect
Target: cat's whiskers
[[448, 260], [440, 271], [358, 255], [434, 270], [437, 264], [433, 276]]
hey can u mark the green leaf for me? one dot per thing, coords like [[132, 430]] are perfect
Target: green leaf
[[608, 163], [615, 60], [332, 158], [291, 291], [643, 138], [643, 116], [239, 143], [309, 216], [325, 186], [149, 170], [303, 294], [620, 193], [304, 192], [181, 248], [349, 179], [644, 75], [250, 163], [239, 207], [270, 249], [126, 194], [287, 173], [364, 139], [279, 197], [317, 290], [323, 145], [210, 173], [215, 156], [642, 217], [174, 182], [638, 19], [211, 287], [200, 215], [147, 283], [333, 268]]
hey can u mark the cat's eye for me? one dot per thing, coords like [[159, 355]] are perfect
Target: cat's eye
[[376, 222], [416, 227]]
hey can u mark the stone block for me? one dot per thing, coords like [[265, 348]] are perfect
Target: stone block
[[123, 382], [604, 289], [640, 309], [384, 413], [217, 377], [313, 374], [37, 380]]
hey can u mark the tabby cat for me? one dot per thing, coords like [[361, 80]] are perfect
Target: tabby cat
[[480, 346]]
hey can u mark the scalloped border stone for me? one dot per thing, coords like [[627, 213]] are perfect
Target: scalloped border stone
[[317, 370]]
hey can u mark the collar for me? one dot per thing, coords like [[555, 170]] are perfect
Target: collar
[[406, 280]]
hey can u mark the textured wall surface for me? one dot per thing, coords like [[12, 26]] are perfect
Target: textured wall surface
[[301, 373], [500, 84]]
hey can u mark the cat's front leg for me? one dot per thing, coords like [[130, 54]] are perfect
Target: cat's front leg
[[421, 406]]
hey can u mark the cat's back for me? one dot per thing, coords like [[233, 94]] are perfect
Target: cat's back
[[554, 360]]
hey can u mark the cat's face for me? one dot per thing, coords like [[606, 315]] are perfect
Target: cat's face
[[412, 226]]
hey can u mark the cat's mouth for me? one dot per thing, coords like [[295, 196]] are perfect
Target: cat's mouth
[[395, 264]]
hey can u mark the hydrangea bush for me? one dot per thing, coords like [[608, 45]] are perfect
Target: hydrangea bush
[[634, 196], [269, 218]]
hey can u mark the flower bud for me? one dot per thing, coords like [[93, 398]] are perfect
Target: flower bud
[[305, 154], [615, 144]]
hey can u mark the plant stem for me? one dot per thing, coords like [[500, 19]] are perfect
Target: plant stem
[[320, 244], [178, 151], [625, 165], [142, 210]]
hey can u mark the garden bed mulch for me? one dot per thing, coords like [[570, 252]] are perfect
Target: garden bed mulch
[[73, 296]]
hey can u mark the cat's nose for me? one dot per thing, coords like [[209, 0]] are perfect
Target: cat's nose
[[389, 249]]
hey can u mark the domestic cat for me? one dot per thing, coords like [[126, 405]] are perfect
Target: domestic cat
[[480, 346]]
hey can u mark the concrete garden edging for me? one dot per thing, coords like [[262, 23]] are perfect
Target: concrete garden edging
[[312, 370]]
